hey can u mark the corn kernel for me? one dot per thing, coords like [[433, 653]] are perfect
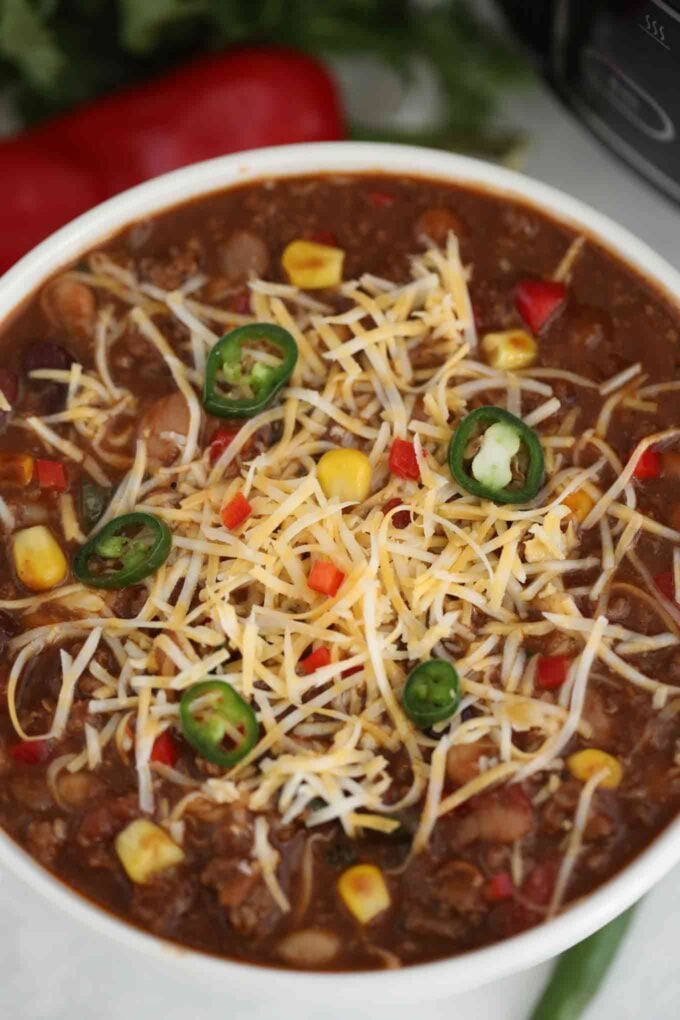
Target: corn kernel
[[345, 475], [16, 468], [311, 265], [363, 890], [144, 849], [511, 350], [584, 764], [39, 561], [580, 504]]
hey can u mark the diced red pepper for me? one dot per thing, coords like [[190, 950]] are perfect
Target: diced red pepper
[[315, 660], [30, 752], [236, 511], [666, 584], [538, 300], [165, 749], [324, 237], [552, 671], [51, 475], [403, 461], [221, 439], [648, 465], [499, 887], [402, 518], [325, 578], [380, 199]]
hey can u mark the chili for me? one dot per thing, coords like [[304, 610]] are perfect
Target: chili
[[225, 371], [226, 716], [432, 693], [491, 445], [125, 551]]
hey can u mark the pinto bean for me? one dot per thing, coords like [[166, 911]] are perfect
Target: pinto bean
[[243, 255], [309, 948], [460, 886], [462, 761], [164, 420], [77, 788], [499, 817], [71, 305], [435, 225]]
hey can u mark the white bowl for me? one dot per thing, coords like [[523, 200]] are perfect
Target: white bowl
[[475, 968]]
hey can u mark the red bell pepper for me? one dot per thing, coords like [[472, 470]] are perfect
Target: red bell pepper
[[315, 660], [236, 511], [403, 461], [648, 465], [551, 671], [499, 887], [325, 578], [221, 439], [30, 752], [232, 101], [165, 749], [51, 475], [538, 300]]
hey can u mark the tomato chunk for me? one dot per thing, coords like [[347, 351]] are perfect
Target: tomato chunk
[[551, 672], [51, 475], [165, 749], [315, 660], [538, 300], [236, 511], [403, 461], [325, 578], [30, 752], [648, 465], [499, 887]]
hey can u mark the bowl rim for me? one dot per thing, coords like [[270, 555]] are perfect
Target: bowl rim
[[476, 967]]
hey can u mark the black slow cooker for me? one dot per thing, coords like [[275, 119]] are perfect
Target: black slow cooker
[[616, 63]]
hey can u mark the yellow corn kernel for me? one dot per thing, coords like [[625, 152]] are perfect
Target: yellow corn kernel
[[311, 265], [16, 468], [39, 561], [580, 504], [364, 892], [345, 474], [144, 849], [584, 764], [511, 350]]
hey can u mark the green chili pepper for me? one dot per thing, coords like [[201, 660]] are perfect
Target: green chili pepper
[[225, 371], [94, 500], [494, 455], [227, 716], [580, 971], [432, 693], [126, 550]]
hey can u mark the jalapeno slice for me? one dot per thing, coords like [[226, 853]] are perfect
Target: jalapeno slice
[[237, 385], [125, 551], [225, 715], [495, 456], [432, 693]]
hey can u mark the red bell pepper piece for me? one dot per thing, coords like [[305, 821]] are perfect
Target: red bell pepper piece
[[30, 752], [325, 577], [217, 104], [51, 475], [315, 660], [221, 439], [666, 584], [403, 461], [648, 465], [538, 300], [499, 887], [551, 671], [165, 749], [236, 511], [402, 518]]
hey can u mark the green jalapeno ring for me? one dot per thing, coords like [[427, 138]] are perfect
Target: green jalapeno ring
[[207, 733], [265, 380], [432, 693], [138, 555], [528, 439]]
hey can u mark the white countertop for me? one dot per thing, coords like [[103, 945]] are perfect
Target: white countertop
[[51, 968]]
